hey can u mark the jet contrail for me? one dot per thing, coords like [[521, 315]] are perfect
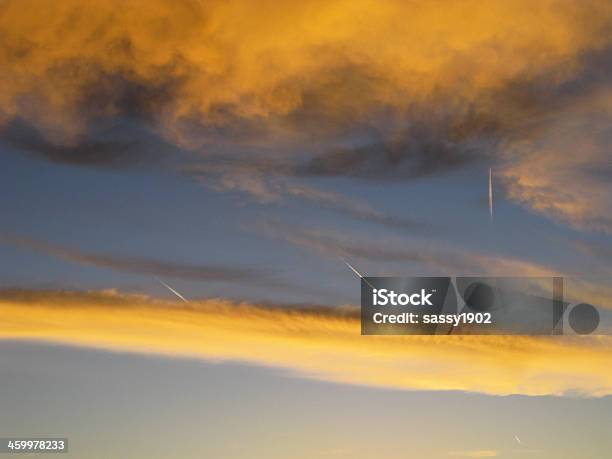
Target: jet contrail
[[491, 194], [171, 289], [518, 440], [356, 272], [352, 269]]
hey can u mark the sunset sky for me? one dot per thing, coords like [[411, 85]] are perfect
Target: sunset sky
[[240, 151]]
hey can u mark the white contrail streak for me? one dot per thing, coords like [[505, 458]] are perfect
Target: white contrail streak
[[352, 269], [171, 289], [356, 272], [491, 194], [518, 440]]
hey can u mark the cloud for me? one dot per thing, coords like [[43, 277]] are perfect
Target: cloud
[[425, 146], [477, 453], [255, 179], [422, 257], [205, 72], [323, 344], [88, 152], [138, 265], [339, 88], [440, 260], [355, 209], [564, 170], [596, 251]]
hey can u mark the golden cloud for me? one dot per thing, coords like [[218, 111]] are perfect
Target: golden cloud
[[476, 453], [563, 171], [321, 343], [442, 79], [220, 61]]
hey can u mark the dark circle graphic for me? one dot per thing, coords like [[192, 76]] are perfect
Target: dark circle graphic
[[584, 319], [479, 296]]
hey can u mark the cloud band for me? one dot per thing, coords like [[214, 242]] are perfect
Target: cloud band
[[321, 343]]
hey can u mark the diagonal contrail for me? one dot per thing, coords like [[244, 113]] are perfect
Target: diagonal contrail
[[171, 289], [518, 440], [491, 194], [357, 272], [352, 269]]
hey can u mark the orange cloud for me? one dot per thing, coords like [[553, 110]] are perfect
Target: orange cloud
[[221, 61], [478, 453], [321, 343], [563, 171], [435, 81]]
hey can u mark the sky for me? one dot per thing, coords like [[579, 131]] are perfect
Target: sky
[[240, 152]]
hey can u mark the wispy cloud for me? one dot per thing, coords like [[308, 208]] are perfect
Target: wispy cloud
[[356, 209], [421, 253], [268, 183], [322, 343], [563, 170], [476, 453], [138, 265]]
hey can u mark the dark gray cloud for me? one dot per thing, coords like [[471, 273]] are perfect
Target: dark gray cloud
[[418, 256], [410, 158], [138, 265], [86, 152], [598, 250]]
